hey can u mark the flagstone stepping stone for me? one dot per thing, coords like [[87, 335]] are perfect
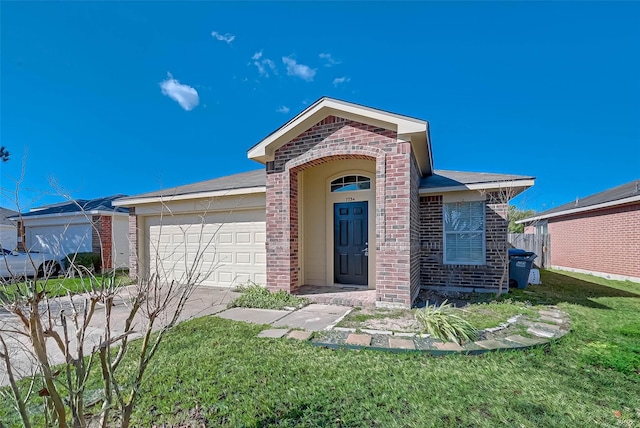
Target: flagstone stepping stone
[[556, 314], [491, 344], [358, 339], [551, 319], [542, 325], [521, 340], [447, 346], [274, 333], [540, 333], [401, 343], [301, 335]]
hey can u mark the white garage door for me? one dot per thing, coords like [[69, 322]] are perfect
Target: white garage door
[[226, 249], [59, 240]]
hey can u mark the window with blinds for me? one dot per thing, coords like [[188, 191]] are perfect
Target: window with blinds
[[464, 233]]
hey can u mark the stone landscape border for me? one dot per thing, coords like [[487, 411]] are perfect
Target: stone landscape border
[[552, 325]]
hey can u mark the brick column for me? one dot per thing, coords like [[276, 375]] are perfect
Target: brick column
[[22, 244], [393, 287]]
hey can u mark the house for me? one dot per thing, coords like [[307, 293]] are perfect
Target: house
[[8, 229], [78, 226], [347, 197], [598, 235]]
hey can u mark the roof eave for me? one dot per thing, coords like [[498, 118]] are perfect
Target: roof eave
[[517, 186], [130, 202], [609, 204]]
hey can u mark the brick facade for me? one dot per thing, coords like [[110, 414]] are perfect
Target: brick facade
[[336, 138], [434, 273], [102, 239], [602, 241]]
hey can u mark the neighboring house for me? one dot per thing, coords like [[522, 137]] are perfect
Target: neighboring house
[[599, 234], [78, 226], [348, 197], [8, 229]]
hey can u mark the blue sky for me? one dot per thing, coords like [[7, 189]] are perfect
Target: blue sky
[[118, 97]]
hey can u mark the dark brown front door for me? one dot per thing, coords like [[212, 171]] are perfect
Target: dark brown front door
[[350, 239]]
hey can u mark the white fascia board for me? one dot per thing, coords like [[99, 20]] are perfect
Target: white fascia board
[[70, 215], [402, 124], [496, 185], [201, 195], [582, 209]]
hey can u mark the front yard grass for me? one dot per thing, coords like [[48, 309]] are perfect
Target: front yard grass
[[215, 372], [56, 287]]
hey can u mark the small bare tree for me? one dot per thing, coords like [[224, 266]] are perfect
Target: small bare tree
[[498, 200], [62, 340]]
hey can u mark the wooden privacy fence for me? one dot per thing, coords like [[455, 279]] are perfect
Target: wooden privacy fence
[[536, 243]]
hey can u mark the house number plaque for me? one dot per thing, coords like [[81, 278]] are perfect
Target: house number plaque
[[349, 199]]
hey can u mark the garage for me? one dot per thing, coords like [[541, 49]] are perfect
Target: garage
[[221, 249]]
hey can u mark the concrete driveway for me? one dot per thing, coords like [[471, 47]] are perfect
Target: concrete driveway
[[203, 301]]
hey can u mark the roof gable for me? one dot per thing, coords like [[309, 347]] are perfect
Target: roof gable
[[410, 129]]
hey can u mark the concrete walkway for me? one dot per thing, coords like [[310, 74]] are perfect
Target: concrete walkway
[[313, 317]]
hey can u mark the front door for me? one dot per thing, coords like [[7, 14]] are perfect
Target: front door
[[350, 237]]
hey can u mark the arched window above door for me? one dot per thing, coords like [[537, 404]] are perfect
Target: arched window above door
[[349, 183]]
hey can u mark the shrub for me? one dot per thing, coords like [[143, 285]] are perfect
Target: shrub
[[88, 260], [439, 322], [256, 296]]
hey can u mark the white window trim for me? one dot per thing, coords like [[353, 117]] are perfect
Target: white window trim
[[484, 236]]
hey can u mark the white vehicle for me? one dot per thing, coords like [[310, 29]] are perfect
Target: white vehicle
[[21, 265]]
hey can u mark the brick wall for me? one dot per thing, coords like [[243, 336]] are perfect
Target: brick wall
[[434, 273], [603, 241], [336, 138], [102, 239], [415, 228]]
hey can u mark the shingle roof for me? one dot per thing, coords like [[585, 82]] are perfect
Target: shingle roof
[[244, 180], [257, 178], [5, 214], [80, 205], [442, 178], [619, 193]]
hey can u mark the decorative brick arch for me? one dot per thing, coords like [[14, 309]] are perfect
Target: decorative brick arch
[[336, 138]]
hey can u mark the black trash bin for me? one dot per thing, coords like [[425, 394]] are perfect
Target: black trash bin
[[520, 262]]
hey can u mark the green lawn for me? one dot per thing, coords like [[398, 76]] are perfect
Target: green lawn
[[62, 286], [216, 372]]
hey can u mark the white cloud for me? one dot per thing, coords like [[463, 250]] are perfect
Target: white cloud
[[184, 95], [300, 70], [264, 65], [223, 37], [329, 60], [283, 109], [340, 80]]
